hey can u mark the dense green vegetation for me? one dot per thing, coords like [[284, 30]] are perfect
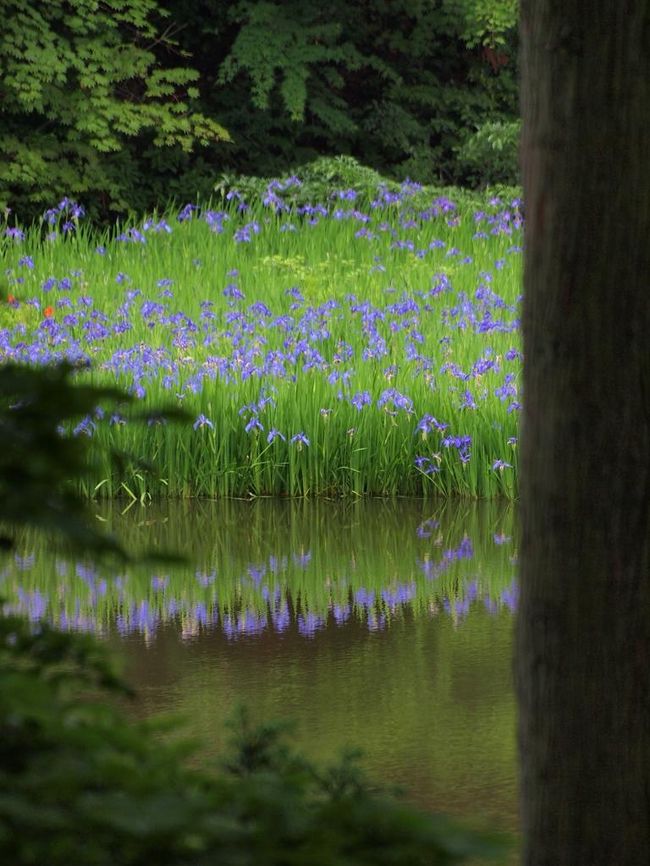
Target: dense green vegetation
[[366, 343], [124, 104], [79, 780], [249, 314]]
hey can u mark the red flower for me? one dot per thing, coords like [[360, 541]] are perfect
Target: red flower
[[11, 299], [48, 312]]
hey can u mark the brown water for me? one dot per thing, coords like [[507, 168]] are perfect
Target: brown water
[[382, 626]]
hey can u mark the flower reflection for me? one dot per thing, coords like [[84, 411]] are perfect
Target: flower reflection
[[298, 591]]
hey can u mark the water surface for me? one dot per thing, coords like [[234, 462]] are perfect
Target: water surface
[[383, 625]]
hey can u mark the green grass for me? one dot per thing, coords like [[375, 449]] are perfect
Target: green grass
[[376, 315]]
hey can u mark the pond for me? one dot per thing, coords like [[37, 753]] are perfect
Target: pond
[[385, 625]]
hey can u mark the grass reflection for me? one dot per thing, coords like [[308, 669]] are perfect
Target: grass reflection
[[268, 566]]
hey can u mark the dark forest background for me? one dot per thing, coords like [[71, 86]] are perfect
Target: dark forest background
[[127, 104]]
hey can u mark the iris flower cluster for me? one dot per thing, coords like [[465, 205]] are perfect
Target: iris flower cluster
[[392, 357]]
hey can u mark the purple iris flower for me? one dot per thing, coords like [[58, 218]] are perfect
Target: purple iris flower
[[399, 401], [428, 423], [275, 434], [202, 421], [86, 427], [426, 465], [361, 399], [501, 538], [300, 439], [254, 424]]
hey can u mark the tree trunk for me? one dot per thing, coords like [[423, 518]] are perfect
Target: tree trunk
[[583, 630]]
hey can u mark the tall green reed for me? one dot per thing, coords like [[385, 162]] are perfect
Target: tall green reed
[[399, 298]]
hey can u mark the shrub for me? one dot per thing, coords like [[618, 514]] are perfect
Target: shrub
[[491, 154]]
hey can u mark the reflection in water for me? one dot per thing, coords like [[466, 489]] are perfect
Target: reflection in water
[[257, 567], [380, 625]]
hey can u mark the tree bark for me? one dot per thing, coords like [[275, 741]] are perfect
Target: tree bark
[[583, 630]]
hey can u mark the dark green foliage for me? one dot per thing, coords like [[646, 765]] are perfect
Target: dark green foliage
[[40, 461], [81, 784], [106, 101], [78, 80], [399, 85], [491, 154]]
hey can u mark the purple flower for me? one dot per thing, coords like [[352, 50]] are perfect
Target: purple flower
[[508, 389], [425, 529], [500, 465], [461, 443], [309, 623], [275, 434], [468, 401], [500, 538], [426, 465], [254, 424], [399, 401], [231, 291], [300, 439], [86, 427], [465, 549], [365, 598], [428, 423], [244, 234], [510, 596], [458, 442], [186, 212], [340, 613], [202, 421], [302, 559], [361, 399]]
